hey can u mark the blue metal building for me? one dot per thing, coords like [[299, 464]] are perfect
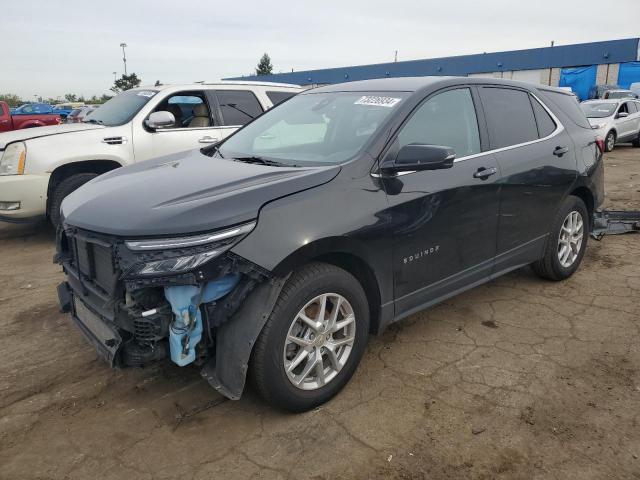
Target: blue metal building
[[607, 60]]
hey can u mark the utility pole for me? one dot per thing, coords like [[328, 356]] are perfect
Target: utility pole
[[395, 60], [115, 76], [124, 57]]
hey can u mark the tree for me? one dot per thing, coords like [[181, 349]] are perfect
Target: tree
[[71, 97], [12, 99], [264, 66], [126, 82]]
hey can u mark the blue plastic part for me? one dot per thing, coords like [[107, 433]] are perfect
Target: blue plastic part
[[185, 331]]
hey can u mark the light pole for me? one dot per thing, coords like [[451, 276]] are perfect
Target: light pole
[[124, 57], [115, 76]]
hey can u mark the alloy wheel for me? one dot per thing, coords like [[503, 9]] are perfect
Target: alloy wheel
[[570, 239], [319, 341], [611, 141]]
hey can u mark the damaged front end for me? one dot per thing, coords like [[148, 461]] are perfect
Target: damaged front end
[[142, 300]]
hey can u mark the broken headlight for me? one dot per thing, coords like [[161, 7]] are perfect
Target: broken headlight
[[219, 242]]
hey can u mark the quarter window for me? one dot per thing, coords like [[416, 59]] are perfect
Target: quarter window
[[279, 97], [238, 107], [546, 125], [447, 119], [510, 118]]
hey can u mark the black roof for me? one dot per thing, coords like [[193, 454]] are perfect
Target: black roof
[[420, 84]]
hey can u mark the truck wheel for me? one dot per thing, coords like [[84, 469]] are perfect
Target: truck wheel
[[610, 141], [64, 188], [567, 241], [313, 340]]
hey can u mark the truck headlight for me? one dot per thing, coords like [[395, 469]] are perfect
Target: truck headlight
[[13, 159], [203, 248]]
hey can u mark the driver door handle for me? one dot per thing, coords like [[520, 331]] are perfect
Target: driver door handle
[[208, 139], [484, 173], [559, 151]]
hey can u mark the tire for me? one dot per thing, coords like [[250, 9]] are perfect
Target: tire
[[64, 188], [609, 141], [550, 266], [273, 347], [636, 142]]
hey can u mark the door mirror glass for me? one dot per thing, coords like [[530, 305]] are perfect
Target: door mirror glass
[[417, 157], [161, 119]]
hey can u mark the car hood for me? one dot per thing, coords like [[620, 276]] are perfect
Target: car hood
[[598, 121], [180, 194], [29, 133]]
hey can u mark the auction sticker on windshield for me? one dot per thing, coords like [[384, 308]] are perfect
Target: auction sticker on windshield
[[147, 93], [377, 101]]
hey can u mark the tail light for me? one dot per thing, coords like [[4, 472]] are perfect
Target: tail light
[[58, 120], [600, 143]]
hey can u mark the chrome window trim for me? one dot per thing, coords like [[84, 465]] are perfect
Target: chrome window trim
[[559, 129]]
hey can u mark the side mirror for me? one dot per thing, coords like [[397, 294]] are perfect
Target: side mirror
[[417, 157], [161, 119], [623, 115]]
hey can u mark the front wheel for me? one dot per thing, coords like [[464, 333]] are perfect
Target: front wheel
[[567, 241], [610, 141], [313, 340], [64, 188]]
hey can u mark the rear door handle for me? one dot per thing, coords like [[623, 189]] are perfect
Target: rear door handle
[[559, 151], [484, 173], [208, 139]]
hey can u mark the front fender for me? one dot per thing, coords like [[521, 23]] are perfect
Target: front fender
[[235, 340]]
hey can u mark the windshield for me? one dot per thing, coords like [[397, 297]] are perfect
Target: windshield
[[121, 108], [598, 110], [616, 94], [314, 128]]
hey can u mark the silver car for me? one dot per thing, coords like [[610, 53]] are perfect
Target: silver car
[[615, 120]]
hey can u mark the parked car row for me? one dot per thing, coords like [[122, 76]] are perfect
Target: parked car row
[[26, 116], [294, 232]]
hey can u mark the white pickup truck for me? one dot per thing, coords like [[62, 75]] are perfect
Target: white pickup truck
[[41, 166]]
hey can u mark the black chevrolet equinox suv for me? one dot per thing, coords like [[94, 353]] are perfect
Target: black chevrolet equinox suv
[[275, 253]]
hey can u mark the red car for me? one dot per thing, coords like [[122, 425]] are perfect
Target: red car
[[10, 122]]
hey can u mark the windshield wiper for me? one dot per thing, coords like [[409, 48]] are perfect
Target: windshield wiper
[[93, 120], [261, 161]]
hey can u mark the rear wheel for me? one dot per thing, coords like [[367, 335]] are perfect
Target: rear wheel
[[636, 142], [64, 188], [313, 340], [567, 242], [610, 141]]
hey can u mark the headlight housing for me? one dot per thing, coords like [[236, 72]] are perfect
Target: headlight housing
[[13, 159], [203, 248]]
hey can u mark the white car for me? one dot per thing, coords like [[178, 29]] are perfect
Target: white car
[[41, 166], [616, 120]]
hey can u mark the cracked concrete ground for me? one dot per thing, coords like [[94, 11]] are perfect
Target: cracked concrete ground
[[520, 378]]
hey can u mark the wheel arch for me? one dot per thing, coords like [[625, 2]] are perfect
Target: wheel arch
[[344, 253], [586, 195], [86, 166]]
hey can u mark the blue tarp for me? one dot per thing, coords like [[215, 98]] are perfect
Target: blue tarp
[[629, 73], [580, 79]]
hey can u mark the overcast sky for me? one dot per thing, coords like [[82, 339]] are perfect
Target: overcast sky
[[52, 47]]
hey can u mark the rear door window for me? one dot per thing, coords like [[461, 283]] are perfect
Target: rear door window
[[238, 106], [546, 125], [510, 118], [633, 107], [279, 97]]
